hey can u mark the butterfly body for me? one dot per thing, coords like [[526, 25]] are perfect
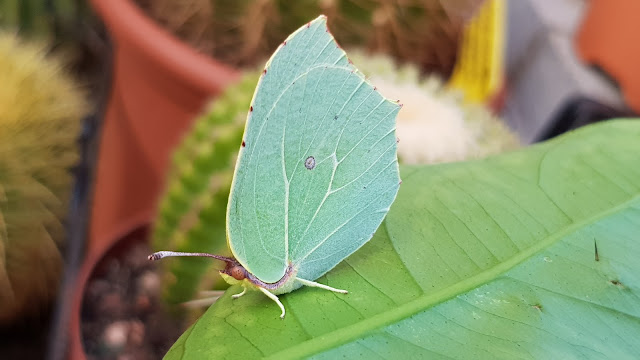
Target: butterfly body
[[287, 284]]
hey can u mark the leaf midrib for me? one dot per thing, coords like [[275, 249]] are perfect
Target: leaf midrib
[[349, 333]]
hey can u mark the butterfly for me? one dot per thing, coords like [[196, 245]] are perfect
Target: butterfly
[[317, 169]]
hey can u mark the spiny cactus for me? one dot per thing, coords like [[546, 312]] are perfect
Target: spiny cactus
[[434, 124], [192, 211], [245, 32], [40, 116]]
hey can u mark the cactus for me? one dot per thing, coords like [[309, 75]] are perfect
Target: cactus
[[435, 124], [40, 116], [244, 32], [192, 212]]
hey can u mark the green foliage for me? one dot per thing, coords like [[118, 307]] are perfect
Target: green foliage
[[492, 258], [192, 211], [40, 116]]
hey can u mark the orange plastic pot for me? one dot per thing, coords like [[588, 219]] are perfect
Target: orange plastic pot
[[608, 38], [159, 85]]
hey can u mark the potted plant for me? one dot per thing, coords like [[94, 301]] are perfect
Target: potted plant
[[158, 86], [41, 111]]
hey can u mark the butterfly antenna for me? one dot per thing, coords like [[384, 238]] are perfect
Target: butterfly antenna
[[163, 254]]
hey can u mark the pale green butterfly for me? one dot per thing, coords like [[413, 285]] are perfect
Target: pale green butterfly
[[317, 170]]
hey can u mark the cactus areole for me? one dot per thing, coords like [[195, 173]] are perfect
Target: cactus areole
[[317, 169]]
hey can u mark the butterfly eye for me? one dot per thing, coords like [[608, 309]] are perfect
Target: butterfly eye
[[238, 272]]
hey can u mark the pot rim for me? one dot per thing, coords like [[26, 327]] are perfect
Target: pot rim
[[129, 25], [76, 347]]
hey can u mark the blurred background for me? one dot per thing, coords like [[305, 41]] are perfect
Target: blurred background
[[120, 121]]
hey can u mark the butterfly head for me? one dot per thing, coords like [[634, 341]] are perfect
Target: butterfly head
[[235, 270]]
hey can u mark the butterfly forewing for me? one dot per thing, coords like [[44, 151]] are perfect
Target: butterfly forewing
[[318, 169]]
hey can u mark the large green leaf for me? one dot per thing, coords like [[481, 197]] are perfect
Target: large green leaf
[[486, 259]]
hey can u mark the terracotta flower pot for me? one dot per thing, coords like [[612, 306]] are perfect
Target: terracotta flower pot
[[608, 38], [159, 85]]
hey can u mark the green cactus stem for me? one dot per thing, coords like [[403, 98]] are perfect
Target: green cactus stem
[[192, 211]]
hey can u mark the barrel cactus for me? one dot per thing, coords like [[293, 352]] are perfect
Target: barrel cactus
[[435, 124], [245, 33], [192, 211], [40, 116]]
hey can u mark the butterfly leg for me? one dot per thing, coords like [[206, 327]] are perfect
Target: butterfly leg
[[322, 286], [274, 298], [244, 291], [211, 297]]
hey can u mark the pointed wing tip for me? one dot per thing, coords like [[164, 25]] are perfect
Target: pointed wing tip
[[321, 19]]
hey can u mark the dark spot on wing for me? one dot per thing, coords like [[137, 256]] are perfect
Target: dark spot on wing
[[251, 108], [310, 163], [617, 283], [243, 144]]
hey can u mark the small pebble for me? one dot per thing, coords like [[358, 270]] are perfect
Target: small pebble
[[115, 335], [111, 305], [149, 282], [136, 333], [96, 290], [143, 304]]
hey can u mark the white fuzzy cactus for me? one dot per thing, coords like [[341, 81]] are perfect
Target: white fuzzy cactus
[[434, 124]]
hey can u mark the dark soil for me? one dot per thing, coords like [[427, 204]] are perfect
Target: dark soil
[[25, 339], [122, 314]]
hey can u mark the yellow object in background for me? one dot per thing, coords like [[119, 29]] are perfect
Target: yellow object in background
[[479, 69]]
